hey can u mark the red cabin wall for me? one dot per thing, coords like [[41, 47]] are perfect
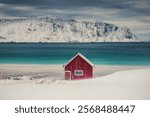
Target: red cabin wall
[[80, 64]]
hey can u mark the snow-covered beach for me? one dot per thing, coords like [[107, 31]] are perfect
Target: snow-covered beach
[[26, 81]]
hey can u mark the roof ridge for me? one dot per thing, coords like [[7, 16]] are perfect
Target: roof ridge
[[82, 56]]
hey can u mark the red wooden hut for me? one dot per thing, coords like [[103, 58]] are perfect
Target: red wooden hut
[[78, 67]]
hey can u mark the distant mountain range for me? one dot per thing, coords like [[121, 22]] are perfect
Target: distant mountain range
[[53, 29]]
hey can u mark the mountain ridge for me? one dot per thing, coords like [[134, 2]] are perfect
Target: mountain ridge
[[54, 29]]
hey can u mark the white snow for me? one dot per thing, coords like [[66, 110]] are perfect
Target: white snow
[[130, 84], [52, 29]]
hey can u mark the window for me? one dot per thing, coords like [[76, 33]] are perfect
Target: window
[[78, 72]]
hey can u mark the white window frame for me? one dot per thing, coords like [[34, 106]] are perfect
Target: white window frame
[[78, 71]]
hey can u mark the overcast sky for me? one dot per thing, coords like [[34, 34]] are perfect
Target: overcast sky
[[134, 14]]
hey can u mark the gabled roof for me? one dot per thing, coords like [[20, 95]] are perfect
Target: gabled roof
[[83, 57]]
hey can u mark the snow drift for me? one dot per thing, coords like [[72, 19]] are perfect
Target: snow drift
[[126, 85]]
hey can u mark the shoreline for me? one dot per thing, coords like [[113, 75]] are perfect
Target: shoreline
[[55, 71], [62, 64], [48, 64], [26, 42]]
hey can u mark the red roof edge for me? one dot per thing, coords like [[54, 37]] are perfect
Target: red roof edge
[[81, 57]]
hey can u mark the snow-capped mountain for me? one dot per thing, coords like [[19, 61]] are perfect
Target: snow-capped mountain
[[53, 29]]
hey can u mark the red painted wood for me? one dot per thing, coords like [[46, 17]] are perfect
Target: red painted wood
[[79, 63]]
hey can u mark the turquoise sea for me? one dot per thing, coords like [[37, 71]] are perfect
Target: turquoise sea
[[59, 53]]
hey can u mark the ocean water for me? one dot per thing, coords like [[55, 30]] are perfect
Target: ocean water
[[59, 53]]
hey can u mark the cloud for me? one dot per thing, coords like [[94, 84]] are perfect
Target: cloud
[[127, 7], [131, 13]]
